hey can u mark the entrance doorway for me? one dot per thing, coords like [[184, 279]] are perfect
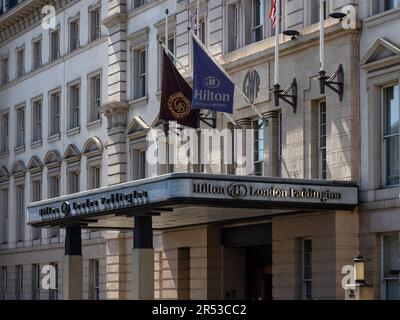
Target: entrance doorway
[[258, 273], [247, 262]]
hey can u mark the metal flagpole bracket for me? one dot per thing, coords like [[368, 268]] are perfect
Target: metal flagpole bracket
[[289, 95], [335, 82], [209, 118]]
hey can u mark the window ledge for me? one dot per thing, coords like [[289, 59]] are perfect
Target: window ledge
[[73, 131], [139, 102], [36, 144], [53, 138], [144, 7], [94, 124], [19, 149], [20, 244], [4, 154], [383, 17]]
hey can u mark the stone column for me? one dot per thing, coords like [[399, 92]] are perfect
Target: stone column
[[143, 259], [271, 144], [243, 153], [73, 264]]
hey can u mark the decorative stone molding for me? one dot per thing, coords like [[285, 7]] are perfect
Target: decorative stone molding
[[35, 165], [139, 38], [72, 154], [4, 174], [114, 19], [52, 159], [18, 169], [93, 147], [243, 123], [116, 114], [382, 53]]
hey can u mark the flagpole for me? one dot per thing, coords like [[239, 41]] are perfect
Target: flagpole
[[321, 36], [197, 17], [166, 123], [226, 74], [187, 71], [277, 29]]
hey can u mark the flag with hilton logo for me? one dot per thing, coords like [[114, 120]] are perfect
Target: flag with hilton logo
[[176, 97], [212, 87]]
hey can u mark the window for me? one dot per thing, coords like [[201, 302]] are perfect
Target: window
[[20, 209], [73, 181], [141, 73], [257, 16], [36, 195], [19, 283], [74, 35], [95, 98], [258, 127], [391, 267], [386, 5], [142, 164], [171, 48], [94, 281], [3, 283], [37, 120], [55, 113], [4, 71], [307, 269], [322, 163], [203, 30], [20, 62], [37, 54], [54, 186], [94, 176], [53, 293], [4, 132], [280, 144], [55, 45], [233, 27], [314, 8], [139, 3], [4, 215], [391, 134], [35, 282], [20, 127], [95, 31], [74, 101]]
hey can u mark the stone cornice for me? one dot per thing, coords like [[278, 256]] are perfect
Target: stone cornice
[[114, 19], [264, 50], [27, 15]]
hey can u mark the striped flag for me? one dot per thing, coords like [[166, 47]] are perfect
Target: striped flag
[[272, 13]]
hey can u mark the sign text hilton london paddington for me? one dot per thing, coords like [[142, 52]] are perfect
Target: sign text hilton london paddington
[[242, 191]]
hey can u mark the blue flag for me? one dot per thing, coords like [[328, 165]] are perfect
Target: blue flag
[[212, 88]]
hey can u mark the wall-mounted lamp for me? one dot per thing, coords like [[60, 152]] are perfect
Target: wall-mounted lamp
[[338, 15], [292, 33], [359, 269]]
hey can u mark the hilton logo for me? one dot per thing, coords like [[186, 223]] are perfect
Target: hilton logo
[[237, 191], [211, 82]]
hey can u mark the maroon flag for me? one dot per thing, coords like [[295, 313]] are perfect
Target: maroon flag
[[272, 13], [176, 97]]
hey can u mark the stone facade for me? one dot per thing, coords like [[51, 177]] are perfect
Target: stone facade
[[190, 261]]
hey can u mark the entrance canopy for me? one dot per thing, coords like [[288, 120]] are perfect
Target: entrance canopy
[[180, 199]]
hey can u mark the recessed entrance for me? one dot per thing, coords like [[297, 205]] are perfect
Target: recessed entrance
[[247, 262]]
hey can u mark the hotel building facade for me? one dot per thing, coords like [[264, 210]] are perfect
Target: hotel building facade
[[76, 103]]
